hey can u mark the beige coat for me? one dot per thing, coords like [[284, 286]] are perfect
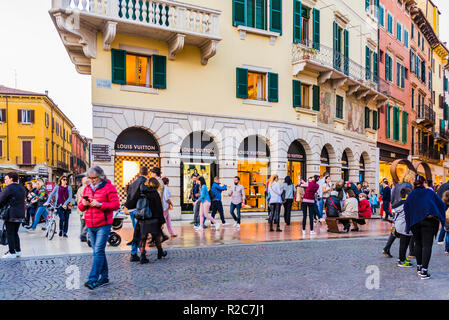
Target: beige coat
[[350, 208], [79, 195]]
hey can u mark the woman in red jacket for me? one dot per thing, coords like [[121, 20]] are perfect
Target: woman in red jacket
[[364, 206], [99, 201]]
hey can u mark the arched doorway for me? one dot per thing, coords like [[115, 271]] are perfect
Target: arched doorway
[[296, 165], [253, 168], [362, 169], [324, 161], [199, 157], [134, 148], [344, 167]]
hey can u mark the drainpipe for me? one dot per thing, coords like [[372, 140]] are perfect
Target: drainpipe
[[7, 128]]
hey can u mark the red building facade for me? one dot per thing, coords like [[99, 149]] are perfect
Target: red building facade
[[80, 149], [398, 113]]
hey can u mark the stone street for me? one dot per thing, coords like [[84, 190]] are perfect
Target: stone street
[[317, 269]]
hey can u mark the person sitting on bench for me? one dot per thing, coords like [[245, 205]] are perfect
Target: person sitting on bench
[[332, 205], [350, 210]]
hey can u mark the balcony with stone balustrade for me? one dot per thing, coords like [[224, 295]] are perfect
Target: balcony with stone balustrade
[[176, 23]]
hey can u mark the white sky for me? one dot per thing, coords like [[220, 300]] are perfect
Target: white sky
[[32, 52]]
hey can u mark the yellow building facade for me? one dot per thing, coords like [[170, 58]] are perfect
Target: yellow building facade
[[34, 134], [244, 87]]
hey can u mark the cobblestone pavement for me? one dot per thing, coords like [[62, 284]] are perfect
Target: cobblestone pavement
[[319, 269]]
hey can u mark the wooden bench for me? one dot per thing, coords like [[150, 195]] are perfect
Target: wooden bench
[[332, 222]]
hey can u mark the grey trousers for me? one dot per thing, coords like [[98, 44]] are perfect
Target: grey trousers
[[196, 213]]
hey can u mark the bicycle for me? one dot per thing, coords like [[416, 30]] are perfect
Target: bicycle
[[50, 222]]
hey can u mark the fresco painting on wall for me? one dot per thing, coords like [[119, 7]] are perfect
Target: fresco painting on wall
[[355, 117], [325, 108]]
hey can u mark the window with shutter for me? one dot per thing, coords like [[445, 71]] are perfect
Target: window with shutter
[[339, 107], [316, 29], [367, 117], [3, 116], [316, 98], [118, 62], [346, 52], [276, 16], [368, 63], [242, 83], [375, 120], [159, 72], [296, 94], [404, 126], [396, 123], [238, 12], [382, 16], [297, 10], [273, 87], [1, 148], [375, 67]]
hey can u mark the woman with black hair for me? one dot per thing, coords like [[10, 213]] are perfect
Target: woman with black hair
[[424, 212], [289, 192], [151, 229]]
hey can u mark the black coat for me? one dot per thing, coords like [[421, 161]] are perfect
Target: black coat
[[331, 210], [14, 195], [155, 203], [134, 192]]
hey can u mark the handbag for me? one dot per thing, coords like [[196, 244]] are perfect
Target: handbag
[[4, 215], [3, 238], [143, 211]]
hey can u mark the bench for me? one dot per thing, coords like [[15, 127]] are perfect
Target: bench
[[332, 222]]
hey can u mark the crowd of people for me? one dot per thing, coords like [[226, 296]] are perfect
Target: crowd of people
[[412, 205], [417, 209]]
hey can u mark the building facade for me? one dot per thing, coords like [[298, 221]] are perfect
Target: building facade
[[80, 149], [243, 87], [34, 134], [397, 114]]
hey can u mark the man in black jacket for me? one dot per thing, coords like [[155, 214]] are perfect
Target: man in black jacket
[[14, 196], [131, 203]]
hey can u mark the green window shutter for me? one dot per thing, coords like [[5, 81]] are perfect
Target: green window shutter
[[381, 17], [396, 123], [260, 14], [336, 47], [375, 67], [273, 87], [296, 94], [297, 9], [404, 126], [446, 111], [367, 116], [316, 29], [368, 63], [367, 4], [375, 127], [346, 52], [159, 72], [387, 127], [316, 98], [276, 16], [242, 83], [250, 13], [238, 12], [118, 63]]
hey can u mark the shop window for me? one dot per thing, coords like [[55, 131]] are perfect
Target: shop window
[[325, 161], [362, 169], [344, 167]]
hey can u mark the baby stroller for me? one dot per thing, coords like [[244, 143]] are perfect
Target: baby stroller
[[117, 223]]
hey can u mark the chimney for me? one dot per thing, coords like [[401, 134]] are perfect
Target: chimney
[[46, 92]]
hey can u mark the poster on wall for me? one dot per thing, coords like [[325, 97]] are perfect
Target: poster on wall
[[189, 171]]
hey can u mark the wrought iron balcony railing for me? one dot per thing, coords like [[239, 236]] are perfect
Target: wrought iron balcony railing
[[20, 161], [425, 113], [326, 56], [427, 152]]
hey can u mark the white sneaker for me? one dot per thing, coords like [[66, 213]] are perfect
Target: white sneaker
[[238, 226], [9, 255], [441, 243], [235, 224], [312, 232], [217, 226], [18, 254], [323, 220], [304, 231], [199, 229], [226, 224]]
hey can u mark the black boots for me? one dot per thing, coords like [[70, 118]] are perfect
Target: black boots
[[161, 253], [143, 259], [134, 258]]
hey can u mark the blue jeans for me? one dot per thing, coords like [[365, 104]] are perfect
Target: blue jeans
[[134, 221], [64, 215], [42, 211], [98, 239], [233, 207], [447, 241], [320, 208]]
